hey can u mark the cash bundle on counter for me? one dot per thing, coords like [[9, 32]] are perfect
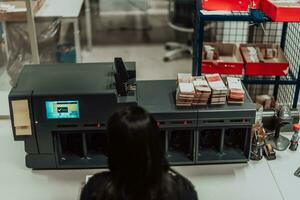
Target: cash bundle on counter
[[208, 89]]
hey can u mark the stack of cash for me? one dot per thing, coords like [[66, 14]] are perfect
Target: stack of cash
[[184, 78], [185, 94], [236, 92], [219, 90], [202, 91], [185, 89]]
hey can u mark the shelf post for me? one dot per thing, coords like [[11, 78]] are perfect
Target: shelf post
[[197, 41], [295, 102], [282, 45]]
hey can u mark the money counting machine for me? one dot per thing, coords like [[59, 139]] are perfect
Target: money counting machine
[[60, 112]]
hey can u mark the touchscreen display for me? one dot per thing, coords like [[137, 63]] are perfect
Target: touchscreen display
[[62, 109]]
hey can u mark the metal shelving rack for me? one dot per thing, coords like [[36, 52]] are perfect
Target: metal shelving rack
[[285, 88]]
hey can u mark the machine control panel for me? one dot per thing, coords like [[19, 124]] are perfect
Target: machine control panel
[[62, 109]]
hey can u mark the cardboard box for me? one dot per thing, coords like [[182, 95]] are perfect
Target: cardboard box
[[230, 5], [281, 10], [230, 60], [277, 66], [16, 10]]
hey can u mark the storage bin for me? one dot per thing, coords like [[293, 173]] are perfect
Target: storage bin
[[230, 5], [272, 67], [65, 53], [281, 11], [230, 60]]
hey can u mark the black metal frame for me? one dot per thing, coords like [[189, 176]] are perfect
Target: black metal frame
[[287, 43]]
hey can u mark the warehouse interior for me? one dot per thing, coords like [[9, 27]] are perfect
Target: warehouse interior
[[220, 78]]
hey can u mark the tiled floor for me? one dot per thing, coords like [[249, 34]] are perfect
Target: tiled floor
[[4, 81], [148, 58], [4, 90]]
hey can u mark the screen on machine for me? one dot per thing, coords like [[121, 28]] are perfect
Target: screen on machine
[[62, 109]]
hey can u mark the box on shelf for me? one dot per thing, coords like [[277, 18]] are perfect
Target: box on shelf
[[264, 59], [66, 53], [256, 4], [221, 58], [16, 10], [282, 10], [230, 5]]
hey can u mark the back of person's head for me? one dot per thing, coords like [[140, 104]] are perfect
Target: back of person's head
[[135, 151], [135, 156]]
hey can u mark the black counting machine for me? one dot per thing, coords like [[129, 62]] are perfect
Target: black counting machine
[[60, 112]]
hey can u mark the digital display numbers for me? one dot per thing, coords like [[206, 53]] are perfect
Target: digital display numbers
[[62, 109]]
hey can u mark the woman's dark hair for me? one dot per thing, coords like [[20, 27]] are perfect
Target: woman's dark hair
[[136, 157]]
